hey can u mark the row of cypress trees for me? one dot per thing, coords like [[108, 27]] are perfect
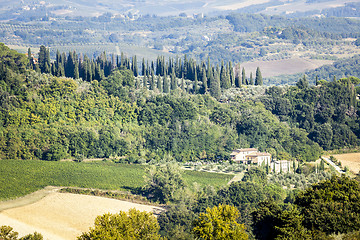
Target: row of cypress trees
[[204, 77]]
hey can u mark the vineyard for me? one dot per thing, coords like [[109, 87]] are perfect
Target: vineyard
[[19, 178]]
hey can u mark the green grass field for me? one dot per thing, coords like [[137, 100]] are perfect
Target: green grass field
[[19, 177]]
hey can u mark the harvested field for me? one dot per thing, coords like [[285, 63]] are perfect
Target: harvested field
[[350, 160], [63, 216], [285, 66]]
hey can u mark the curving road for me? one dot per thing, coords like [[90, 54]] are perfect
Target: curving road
[[337, 168]]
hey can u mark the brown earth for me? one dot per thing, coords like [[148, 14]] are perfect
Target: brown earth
[[284, 66], [350, 160], [62, 216]]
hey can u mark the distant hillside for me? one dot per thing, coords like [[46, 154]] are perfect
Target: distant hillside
[[175, 7]]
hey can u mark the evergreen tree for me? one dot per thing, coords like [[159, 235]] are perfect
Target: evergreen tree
[[238, 80], [143, 68], [145, 79], [302, 83], [215, 85], [231, 74], [134, 66], [195, 86], [70, 66], [44, 59], [204, 81], [316, 80], [183, 83], [152, 82], [30, 59], [258, 77], [243, 77], [173, 80], [166, 88], [224, 79], [76, 67], [251, 79], [159, 83]]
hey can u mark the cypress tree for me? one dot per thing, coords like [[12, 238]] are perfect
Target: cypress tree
[[166, 88], [70, 66], [145, 79], [215, 85], [224, 79], [135, 67], [237, 76], [209, 73], [258, 77], [44, 59], [76, 67], [152, 81], [231, 74], [251, 79], [173, 80], [159, 83], [195, 86], [316, 80], [143, 69], [122, 60], [30, 59], [182, 83], [243, 77], [204, 81]]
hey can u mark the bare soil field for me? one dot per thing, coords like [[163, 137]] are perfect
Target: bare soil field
[[284, 66], [62, 216], [240, 4], [350, 160]]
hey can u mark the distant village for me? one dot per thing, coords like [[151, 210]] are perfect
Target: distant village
[[252, 156]]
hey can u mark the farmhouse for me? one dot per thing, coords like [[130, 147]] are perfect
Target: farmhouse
[[250, 156], [253, 156]]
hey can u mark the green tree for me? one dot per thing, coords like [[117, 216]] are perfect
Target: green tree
[[219, 223], [215, 90], [7, 233], [166, 85], [163, 182], [34, 236], [159, 83], [195, 88], [204, 80], [44, 59], [251, 79], [302, 83], [243, 77], [130, 225], [331, 206], [255, 175], [272, 222], [176, 222], [258, 77]]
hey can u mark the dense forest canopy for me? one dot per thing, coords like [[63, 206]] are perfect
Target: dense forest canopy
[[110, 113]]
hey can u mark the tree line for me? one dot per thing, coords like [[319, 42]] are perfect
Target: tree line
[[160, 74]]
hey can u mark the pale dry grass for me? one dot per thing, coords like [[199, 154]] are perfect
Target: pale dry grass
[[284, 66], [62, 216], [350, 160]]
